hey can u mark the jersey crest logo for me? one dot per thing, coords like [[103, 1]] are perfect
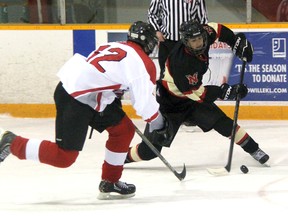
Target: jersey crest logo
[[192, 79]]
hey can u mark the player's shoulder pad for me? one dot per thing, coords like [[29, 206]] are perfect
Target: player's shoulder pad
[[211, 27], [212, 30]]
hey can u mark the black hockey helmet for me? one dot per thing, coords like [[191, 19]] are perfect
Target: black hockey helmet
[[193, 29], [143, 34]]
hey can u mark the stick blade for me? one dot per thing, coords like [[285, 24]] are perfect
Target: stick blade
[[218, 171], [181, 175]]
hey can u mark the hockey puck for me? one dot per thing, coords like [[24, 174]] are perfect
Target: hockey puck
[[244, 169]]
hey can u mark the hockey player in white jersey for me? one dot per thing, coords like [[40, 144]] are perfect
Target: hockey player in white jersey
[[86, 96]]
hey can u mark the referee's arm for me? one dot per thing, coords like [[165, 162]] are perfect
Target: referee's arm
[[154, 14], [202, 12]]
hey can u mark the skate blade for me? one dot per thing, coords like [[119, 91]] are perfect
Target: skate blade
[[266, 164], [114, 196]]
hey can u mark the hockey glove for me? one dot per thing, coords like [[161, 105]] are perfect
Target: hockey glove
[[243, 48], [230, 92], [163, 136]]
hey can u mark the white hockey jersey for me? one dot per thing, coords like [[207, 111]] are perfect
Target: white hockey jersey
[[111, 67]]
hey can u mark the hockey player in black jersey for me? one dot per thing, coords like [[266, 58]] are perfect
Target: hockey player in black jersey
[[183, 97]]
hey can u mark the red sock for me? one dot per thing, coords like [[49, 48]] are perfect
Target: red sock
[[111, 173], [117, 146], [43, 151], [18, 147]]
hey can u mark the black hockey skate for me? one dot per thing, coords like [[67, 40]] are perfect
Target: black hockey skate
[[6, 137], [260, 156], [118, 190]]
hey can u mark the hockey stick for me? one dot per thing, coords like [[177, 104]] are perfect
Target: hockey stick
[[181, 175], [225, 170]]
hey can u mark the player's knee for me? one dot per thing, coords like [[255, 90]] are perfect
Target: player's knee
[[224, 126], [127, 128], [66, 158], [124, 131]]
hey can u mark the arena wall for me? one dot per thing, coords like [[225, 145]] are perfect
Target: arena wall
[[31, 55]]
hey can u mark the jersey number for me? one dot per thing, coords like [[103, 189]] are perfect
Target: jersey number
[[115, 54]]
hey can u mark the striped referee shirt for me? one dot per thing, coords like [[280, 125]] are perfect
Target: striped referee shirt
[[166, 16]]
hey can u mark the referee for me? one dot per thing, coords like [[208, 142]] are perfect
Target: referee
[[166, 16]]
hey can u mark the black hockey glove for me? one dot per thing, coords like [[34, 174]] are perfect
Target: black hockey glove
[[243, 48], [163, 136], [230, 92]]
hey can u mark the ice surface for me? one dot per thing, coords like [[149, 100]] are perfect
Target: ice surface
[[31, 188]]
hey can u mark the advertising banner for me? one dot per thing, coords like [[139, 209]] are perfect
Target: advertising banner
[[266, 76]]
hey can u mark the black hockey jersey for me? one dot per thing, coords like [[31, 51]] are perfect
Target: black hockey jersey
[[184, 71]]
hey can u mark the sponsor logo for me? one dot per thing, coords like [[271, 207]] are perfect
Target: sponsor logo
[[228, 92], [279, 47]]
